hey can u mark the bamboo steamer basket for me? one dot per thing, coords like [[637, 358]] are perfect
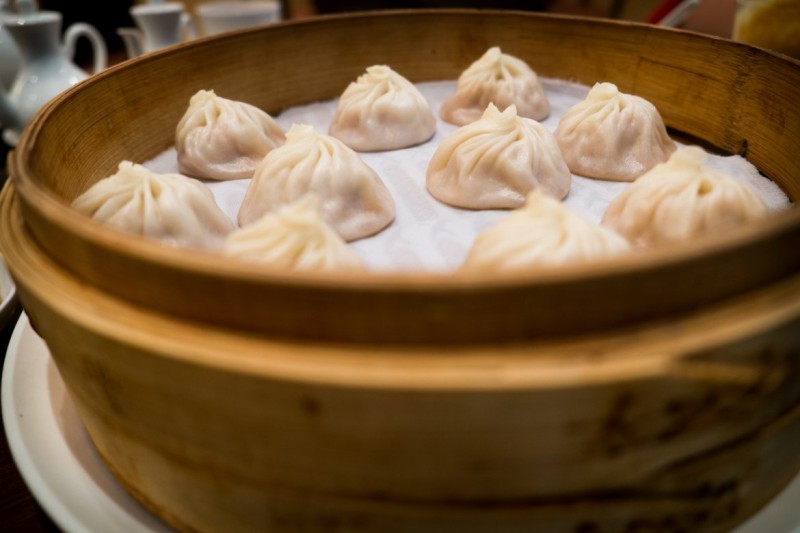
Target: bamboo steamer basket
[[659, 390]]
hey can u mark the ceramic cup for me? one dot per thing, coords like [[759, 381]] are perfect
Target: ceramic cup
[[219, 17], [162, 24]]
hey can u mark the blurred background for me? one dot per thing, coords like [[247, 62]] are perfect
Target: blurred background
[[708, 16]]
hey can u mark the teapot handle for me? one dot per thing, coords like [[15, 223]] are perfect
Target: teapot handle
[[81, 29], [187, 25]]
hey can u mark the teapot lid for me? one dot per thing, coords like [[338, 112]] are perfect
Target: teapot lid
[[27, 13], [27, 7], [37, 17]]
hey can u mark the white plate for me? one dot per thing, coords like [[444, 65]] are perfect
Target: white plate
[[66, 475]]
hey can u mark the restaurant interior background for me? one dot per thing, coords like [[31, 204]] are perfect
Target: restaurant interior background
[[714, 17]]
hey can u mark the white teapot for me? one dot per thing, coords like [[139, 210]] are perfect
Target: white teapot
[[46, 68], [9, 56]]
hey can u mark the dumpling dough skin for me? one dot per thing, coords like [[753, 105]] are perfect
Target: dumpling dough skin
[[353, 199], [499, 79], [682, 199], [542, 233], [294, 237], [175, 209], [613, 136], [495, 162], [223, 139], [382, 110]]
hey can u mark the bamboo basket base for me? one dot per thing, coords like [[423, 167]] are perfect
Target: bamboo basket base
[[738, 481]]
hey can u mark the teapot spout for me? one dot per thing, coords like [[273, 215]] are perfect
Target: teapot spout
[[133, 40], [9, 116]]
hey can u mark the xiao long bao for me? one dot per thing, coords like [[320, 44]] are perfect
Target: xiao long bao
[[681, 199], [175, 209], [499, 79], [293, 237], [543, 232], [613, 136], [495, 162], [382, 110], [353, 199], [223, 139]]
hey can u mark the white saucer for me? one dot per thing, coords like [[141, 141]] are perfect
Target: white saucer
[[69, 480]]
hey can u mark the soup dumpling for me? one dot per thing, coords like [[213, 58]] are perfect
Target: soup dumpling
[[382, 110], [495, 162], [499, 79], [544, 232], [613, 136], [293, 237], [221, 139], [175, 209], [353, 198], [682, 199]]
